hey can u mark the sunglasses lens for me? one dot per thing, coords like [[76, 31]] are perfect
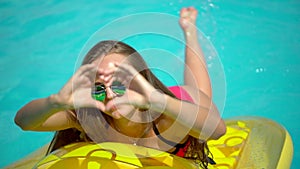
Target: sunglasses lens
[[99, 96], [99, 93], [118, 90]]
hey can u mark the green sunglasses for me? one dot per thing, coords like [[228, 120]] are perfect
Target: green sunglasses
[[99, 90]]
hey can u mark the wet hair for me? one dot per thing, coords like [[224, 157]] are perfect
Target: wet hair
[[198, 149]]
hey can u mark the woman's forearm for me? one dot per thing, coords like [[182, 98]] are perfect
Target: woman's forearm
[[36, 112], [204, 122], [196, 74]]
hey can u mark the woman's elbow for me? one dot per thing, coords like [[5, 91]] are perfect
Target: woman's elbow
[[220, 130], [20, 122]]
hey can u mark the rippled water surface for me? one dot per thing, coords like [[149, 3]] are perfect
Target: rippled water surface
[[252, 46]]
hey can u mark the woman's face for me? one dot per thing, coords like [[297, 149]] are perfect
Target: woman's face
[[106, 63], [126, 110]]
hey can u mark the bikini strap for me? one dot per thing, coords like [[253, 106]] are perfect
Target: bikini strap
[[171, 143]]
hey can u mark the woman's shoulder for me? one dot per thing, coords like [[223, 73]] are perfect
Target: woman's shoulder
[[182, 93], [187, 93]]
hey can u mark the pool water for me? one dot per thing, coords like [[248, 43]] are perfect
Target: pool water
[[251, 47]]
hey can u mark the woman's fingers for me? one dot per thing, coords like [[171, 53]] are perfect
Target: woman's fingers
[[119, 108], [129, 98], [79, 88], [76, 84], [122, 73], [134, 104], [88, 70], [188, 13], [188, 17], [99, 105], [183, 12]]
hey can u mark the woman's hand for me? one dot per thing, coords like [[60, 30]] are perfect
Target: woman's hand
[[140, 95], [187, 19], [76, 93]]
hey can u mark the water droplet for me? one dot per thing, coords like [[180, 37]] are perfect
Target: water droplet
[[260, 70]]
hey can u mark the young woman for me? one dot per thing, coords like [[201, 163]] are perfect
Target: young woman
[[113, 96]]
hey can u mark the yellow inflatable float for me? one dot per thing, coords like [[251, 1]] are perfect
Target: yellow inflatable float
[[250, 143]]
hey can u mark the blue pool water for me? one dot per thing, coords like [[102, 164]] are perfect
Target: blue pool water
[[254, 55]]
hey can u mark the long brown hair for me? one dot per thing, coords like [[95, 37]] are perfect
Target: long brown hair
[[197, 150]]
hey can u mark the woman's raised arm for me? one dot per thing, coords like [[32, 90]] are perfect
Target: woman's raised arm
[[195, 74]]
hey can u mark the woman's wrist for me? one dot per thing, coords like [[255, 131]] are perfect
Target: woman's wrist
[[191, 35], [55, 102], [157, 101]]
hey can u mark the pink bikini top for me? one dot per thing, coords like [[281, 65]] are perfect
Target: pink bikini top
[[181, 94]]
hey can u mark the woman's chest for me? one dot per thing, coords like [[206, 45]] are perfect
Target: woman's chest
[[153, 137]]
